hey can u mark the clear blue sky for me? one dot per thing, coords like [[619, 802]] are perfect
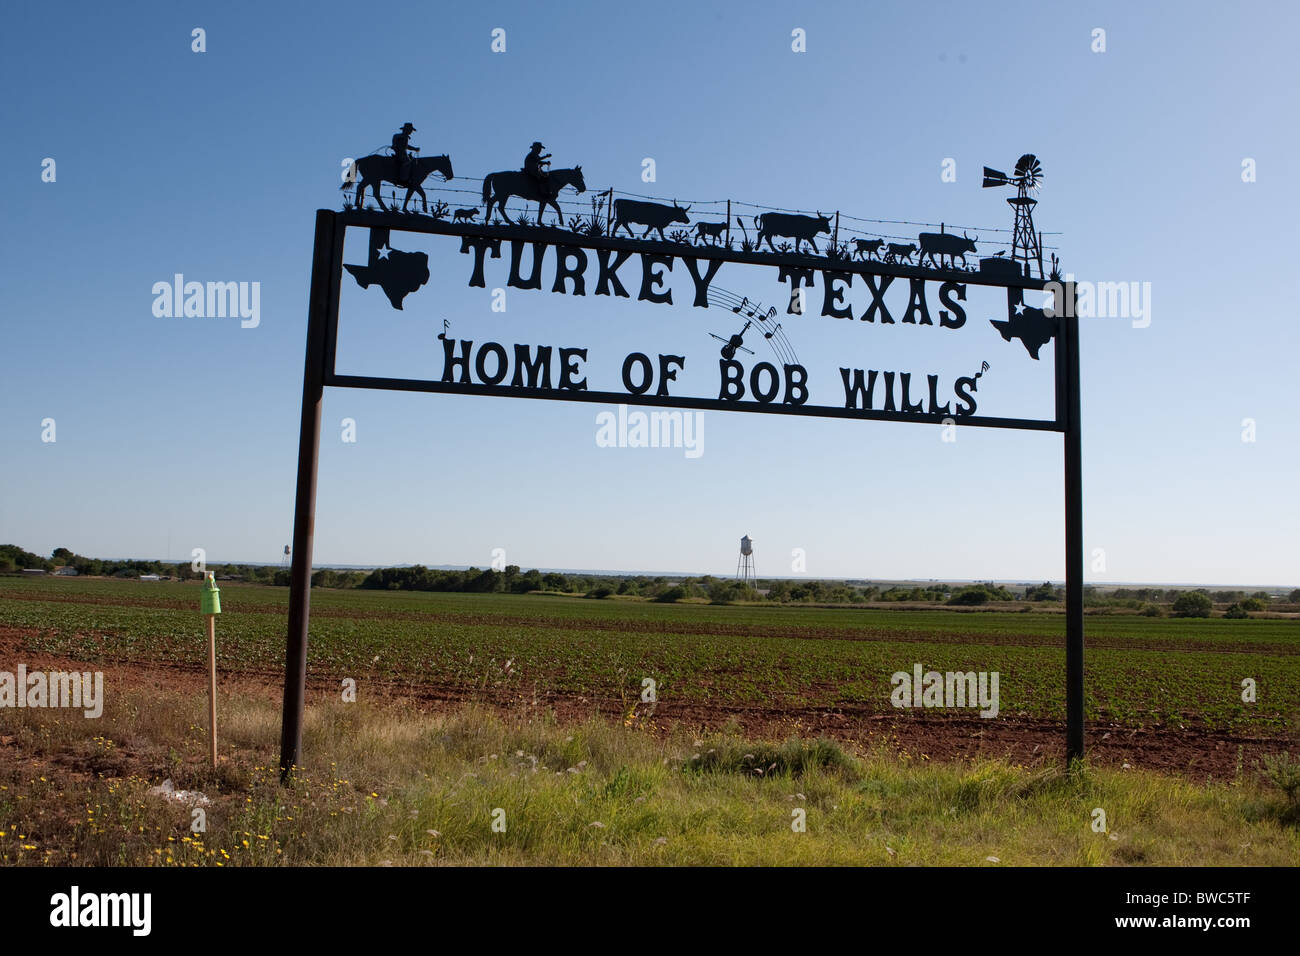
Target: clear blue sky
[[181, 433]]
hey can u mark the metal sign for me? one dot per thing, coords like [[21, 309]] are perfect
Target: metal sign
[[645, 251]]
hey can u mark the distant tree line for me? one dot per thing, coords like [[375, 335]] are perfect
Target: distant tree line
[[509, 580], [14, 559], [513, 580], [975, 594]]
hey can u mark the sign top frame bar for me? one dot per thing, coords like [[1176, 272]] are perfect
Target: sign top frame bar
[[393, 221], [552, 235]]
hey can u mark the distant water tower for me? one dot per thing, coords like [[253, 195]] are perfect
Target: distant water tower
[[745, 563]]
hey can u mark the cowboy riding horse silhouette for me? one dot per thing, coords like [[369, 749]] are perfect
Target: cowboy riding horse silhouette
[[400, 169], [535, 182], [402, 149]]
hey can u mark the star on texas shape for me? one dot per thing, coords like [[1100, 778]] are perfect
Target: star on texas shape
[[1032, 327], [397, 273]]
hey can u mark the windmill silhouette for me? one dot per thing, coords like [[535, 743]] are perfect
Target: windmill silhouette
[[1026, 244]]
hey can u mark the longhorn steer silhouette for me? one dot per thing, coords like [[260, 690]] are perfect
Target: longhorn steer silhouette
[[790, 226], [652, 215], [945, 244]]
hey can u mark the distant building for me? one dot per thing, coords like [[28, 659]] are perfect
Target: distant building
[[33, 570], [150, 577], [66, 572]]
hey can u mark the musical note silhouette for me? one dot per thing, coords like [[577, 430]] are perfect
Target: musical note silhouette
[[759, 316], [443, 334], [984, 367]]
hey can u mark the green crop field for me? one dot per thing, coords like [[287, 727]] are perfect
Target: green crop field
[[473, 705], [1141, 671]]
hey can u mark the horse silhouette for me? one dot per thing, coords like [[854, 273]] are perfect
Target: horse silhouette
[[370, 172], [498, 187]]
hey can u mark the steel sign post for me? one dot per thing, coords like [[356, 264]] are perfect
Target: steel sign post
[[1068, 343], [325, 267]]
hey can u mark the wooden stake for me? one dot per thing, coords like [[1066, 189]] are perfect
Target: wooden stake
[[212, 684]]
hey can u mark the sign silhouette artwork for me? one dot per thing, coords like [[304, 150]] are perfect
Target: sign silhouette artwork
[[625, 248], [774, 284]]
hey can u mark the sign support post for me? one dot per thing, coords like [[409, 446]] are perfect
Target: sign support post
[[323, 302], [1067, 343]]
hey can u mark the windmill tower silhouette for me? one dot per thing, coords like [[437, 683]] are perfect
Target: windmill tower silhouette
[[745, 563], [1026, 244]]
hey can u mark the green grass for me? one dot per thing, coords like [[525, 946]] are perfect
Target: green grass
[[385, 785], [1141, 671]]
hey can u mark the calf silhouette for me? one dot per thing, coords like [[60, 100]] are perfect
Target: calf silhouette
[[710, 230], [894, 250], [866, 248]]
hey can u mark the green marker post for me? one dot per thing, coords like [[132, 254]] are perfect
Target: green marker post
[[210, 605]]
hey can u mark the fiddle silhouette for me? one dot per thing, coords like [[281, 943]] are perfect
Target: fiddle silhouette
[[734, 343], [760, 318]]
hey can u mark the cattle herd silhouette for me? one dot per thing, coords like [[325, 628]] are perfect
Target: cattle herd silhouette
[[664, 224], [665, 227]]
